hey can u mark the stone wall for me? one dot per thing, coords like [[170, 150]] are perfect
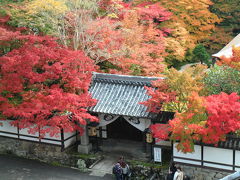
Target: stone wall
[[53, 154], [141, 172], [33, 150], [197, 173]]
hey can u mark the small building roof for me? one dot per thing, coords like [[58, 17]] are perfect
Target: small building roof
[[120, 94], [229, 143], [227, 50]]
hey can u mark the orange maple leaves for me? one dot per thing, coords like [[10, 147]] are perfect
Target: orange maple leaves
[[233, 61]]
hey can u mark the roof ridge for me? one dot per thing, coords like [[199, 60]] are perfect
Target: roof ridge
[[123, 78]]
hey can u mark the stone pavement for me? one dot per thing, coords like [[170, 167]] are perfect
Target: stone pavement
[[112, 150], [104, 166], [15, 168]]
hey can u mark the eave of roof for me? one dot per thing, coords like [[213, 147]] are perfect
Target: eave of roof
[[120, 94], [230, 143], [227, 50]]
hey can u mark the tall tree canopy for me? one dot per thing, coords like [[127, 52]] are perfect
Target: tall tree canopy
[[228, 11], [43, 84], [208, 119], [222, 79], [108, 31], [172, 92], [190, 23], [200, 116]]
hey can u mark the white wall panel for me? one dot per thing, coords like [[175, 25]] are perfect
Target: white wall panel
[[69, 134], [56, 137], [51, 142], [69, 142], [218, 155], [237, 158], [7, 127], [29, 138], [25, 132], [104, 134], [186, 161], [237, 169], [217, 166], [8, 135], [194, 155]]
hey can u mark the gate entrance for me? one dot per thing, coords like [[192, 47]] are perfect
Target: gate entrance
[[121, 129]]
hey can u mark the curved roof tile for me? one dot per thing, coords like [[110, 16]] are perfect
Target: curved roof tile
[[120, 94]]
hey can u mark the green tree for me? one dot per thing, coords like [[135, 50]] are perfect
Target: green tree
[[201, 54], [229, 11], [222, 79]]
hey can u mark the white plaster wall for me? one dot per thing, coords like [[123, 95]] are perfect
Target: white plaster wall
[[29, 138], [218, 155], [237, 169], [69, 134], [69, 142], [8, 128], [25, 132], [186, 161], [217, 166], [104, 133], [8, 135], [194, 155], [51, 142], [237, 158]]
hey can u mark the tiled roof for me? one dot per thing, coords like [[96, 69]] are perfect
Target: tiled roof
[[229, 143], [120, 94]]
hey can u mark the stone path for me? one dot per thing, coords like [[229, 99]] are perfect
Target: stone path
[[188, 65], [112, 151], [103, 167]]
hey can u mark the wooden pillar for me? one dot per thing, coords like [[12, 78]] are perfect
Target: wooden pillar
[[62, 140]]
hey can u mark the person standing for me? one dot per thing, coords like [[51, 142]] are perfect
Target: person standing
[[173, 168], [171, 171], [178, 175], [117, 171], [126, 171]]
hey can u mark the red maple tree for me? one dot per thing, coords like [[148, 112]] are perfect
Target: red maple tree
[[208, 119], [44, 86]]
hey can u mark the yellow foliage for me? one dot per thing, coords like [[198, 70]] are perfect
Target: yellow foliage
[[132, 31], [113, 15], [54, 6], [190, 23], [184, 84]]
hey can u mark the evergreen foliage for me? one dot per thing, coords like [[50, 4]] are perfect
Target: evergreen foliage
[[200, 54]]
